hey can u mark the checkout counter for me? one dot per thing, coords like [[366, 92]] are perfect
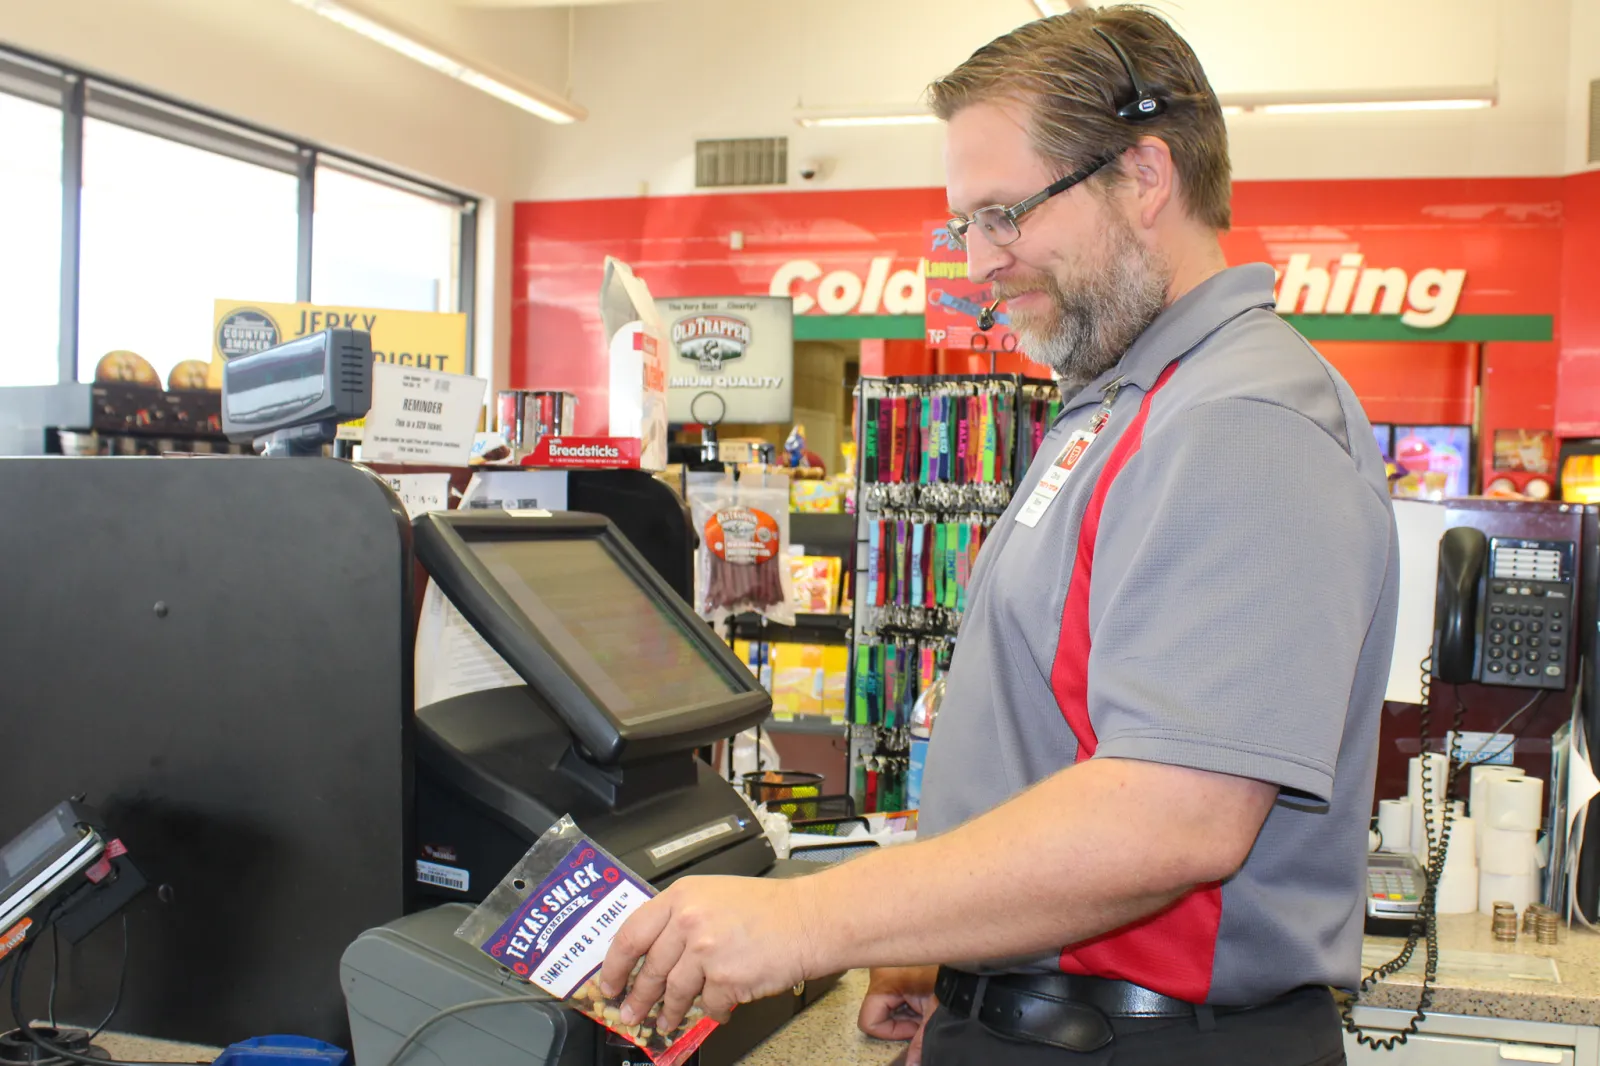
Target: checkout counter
[[219, 653]]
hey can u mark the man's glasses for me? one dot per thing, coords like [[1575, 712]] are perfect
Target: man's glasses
[[999, 224]]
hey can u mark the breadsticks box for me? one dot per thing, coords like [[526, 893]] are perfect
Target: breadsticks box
[[637, 349], [551, 921]]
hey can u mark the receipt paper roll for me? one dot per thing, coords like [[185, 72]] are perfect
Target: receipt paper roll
[[1519, 890], [1394, 824], [1508, 851], [1478, 790], [1514, 803], [1458, 888]]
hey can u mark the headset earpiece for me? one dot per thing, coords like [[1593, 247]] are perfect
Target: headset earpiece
[[1147, 102]]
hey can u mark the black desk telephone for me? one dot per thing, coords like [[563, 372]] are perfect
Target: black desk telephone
[[1503, 610], [1503, 614]]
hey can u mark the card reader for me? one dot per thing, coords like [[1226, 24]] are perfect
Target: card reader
[[1395, 884], [62, 869]]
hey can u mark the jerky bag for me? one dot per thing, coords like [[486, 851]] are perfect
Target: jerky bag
[[744, 543], [551, 921]]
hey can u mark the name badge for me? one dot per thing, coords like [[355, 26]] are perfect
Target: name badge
[[1056, 476]]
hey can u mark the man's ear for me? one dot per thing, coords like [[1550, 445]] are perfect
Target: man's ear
[[1155, 178]]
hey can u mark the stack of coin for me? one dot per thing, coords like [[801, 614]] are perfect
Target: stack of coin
[[1530, 917], [1505, 920], [1547, 925]]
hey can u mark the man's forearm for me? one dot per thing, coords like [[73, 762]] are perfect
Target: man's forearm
[[1085, 852]]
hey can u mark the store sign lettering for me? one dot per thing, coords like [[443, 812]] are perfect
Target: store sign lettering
[[845, 292], [1425, 300]]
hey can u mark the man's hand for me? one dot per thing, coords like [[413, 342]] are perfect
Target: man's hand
[[729, 940], [898, 1005]]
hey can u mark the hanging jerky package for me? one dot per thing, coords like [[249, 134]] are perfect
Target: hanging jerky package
[[742, 563], [551, 920]]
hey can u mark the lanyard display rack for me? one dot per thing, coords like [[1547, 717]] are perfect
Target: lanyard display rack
[[938, 458]]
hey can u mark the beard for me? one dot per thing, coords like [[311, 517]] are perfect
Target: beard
[[1096, 314]]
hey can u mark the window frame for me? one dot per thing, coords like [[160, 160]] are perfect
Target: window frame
[[80, 94]]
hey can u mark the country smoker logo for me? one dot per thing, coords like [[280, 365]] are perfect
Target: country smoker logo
[[711, 340], [245, 331]]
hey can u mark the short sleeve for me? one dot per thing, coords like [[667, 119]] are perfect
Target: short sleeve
[[1238, 568]]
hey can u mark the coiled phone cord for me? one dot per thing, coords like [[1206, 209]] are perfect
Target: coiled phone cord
[[1426, 923]]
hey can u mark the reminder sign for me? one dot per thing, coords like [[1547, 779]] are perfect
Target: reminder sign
[[731, 359], [426, 340], [419, 416]]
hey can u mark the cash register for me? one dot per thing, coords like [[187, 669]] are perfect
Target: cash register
[[238, 698], [600, 682]]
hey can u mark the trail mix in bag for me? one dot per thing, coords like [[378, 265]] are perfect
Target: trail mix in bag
[[551, 921]]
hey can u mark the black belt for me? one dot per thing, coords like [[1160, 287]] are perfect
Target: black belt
[[1063, 1010]]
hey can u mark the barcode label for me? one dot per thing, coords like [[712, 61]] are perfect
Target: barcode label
[[431, 873]]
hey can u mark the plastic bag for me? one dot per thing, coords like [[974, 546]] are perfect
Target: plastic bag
[[551, 920], [744, 543]]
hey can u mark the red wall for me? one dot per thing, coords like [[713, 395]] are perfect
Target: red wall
[[1528, 246], [1578, 402]]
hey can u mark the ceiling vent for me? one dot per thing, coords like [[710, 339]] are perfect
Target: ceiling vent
[[745, 161]]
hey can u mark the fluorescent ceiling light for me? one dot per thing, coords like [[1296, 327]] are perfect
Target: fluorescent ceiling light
[[1046, 8], [354, 15], [1374, 105], [1454, 99], [906, 115]]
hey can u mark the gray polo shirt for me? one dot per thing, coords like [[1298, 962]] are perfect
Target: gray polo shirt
[[1213, 585]]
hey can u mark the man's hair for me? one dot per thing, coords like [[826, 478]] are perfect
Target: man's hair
[[1072, 84]]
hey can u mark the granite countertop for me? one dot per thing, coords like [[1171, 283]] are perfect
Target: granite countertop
[[1573, 999], [825, 1033]]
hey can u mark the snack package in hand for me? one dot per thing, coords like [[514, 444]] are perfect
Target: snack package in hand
[[551, 921]]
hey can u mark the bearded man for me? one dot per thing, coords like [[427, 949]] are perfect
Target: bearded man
[[1147, 796]]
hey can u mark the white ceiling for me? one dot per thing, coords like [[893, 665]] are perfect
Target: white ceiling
[[506, 5]]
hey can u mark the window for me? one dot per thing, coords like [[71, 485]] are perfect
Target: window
[[163, 208], [168, 229], [30, 233], [376, 245]]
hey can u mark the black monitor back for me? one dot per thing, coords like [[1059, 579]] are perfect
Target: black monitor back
[[216, 652]]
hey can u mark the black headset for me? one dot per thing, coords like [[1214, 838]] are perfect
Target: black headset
[[1147, 102]]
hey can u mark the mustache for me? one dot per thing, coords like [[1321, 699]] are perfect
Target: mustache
[[1005, 290]]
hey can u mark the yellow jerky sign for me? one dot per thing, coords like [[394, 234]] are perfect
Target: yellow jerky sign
[[426, 339]]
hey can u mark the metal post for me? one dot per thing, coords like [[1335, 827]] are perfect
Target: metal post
[[72, 109], [307, 174]]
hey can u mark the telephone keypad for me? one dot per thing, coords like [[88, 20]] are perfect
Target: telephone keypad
[[1530, 587]]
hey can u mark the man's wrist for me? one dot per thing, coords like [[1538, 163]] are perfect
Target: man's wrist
[[820, 922]]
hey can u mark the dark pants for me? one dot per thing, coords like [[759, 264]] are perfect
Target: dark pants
[[1300, 1029]]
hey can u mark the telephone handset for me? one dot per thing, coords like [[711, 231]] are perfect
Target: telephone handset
[[1503, 609]]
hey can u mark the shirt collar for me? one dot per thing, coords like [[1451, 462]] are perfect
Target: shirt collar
[[1177, 330]]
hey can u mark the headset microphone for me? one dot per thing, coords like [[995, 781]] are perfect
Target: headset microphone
[[986, 317]]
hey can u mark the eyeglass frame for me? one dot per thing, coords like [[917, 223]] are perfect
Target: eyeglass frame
[[957, 227]]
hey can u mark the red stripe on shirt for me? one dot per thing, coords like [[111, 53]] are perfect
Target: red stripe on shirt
[[1173, 951]]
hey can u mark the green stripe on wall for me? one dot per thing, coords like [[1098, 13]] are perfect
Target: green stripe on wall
[[1314, 327], [857, 327], [1390, 328]]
